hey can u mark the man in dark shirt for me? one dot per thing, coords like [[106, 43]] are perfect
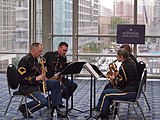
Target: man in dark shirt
[[55, 62], [31, 77], [126, 84]]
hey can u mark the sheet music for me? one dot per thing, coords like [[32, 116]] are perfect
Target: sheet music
[[90, 69]]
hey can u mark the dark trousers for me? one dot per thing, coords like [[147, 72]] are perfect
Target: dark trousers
[[40, 101], [110, 94], [69, 87], [107, 86]]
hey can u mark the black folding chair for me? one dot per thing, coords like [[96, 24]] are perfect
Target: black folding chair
[[13, 85], [140, 67], [132, 102]]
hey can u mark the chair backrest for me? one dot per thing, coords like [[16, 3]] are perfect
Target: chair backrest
[[143, 78], [12, 74], [140, 67]]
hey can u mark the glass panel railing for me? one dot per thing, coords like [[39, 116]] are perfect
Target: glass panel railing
[[6, 59]]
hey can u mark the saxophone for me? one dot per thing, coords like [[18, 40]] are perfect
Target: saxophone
[[42, 61], [57, 77], [112, 69]]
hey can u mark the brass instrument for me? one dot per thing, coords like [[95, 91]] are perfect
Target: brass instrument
[[42, 61], [57, 77], [112, 70]]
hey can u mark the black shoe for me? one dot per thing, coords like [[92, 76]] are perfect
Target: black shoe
[[61, 106], [59, 115], [102, 116], [111, 111], [22, 109], [97, 109]]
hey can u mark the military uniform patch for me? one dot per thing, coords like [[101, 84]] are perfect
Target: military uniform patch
[[22, 70]]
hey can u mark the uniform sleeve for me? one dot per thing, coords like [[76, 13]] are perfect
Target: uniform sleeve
[[50, 64], [121, 79], [23, 75]]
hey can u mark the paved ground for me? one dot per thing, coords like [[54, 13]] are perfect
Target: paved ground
[[82, 102]]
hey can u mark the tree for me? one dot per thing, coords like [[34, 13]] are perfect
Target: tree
[[114, 22]]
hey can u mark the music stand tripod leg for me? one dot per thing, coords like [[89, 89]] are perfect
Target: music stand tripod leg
[[67, 99], [72, 108], [91, 84]]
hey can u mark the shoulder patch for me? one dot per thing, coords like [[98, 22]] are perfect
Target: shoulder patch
[[22, 70]]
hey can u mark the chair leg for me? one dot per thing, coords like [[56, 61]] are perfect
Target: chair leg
[[136, 112], [128, 111], [26, 106], [8, 104], [40, 113], [146, 101], [114, 108], [141, 110], [49, 105], [20, 103]]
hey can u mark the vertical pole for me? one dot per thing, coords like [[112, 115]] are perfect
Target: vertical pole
[[75, 31], [135, 22], [46, 24]]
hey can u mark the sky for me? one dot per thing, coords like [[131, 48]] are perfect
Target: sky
[[107, 3]]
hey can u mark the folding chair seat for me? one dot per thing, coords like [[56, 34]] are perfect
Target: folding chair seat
[[13, 85], [134, 101]]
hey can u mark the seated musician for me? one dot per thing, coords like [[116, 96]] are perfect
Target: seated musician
[[55, 61], [128, 48], [31, 76], [125, 84], [131, 56]]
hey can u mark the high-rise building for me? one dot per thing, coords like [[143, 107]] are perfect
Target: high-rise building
[[62, 21], [22, 25], [14, 29], [7, 25], [105, 15], [7, 31], [124, 9], [87, 20]]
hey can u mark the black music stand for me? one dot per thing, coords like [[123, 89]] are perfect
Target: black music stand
[[72, 68], [100, 75], [95, 73]]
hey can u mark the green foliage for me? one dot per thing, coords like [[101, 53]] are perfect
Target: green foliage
[[115, 21], [93, 47]]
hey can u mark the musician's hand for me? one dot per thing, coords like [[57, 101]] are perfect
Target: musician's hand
[[116, 73], [41, 77], [62, 76], [46, 78], [112, 77], [56, 74], [45, 69]]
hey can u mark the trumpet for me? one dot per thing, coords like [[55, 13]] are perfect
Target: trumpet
[[112, 70], [42, 61]]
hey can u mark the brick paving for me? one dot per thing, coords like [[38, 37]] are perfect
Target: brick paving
[[82, 102]]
